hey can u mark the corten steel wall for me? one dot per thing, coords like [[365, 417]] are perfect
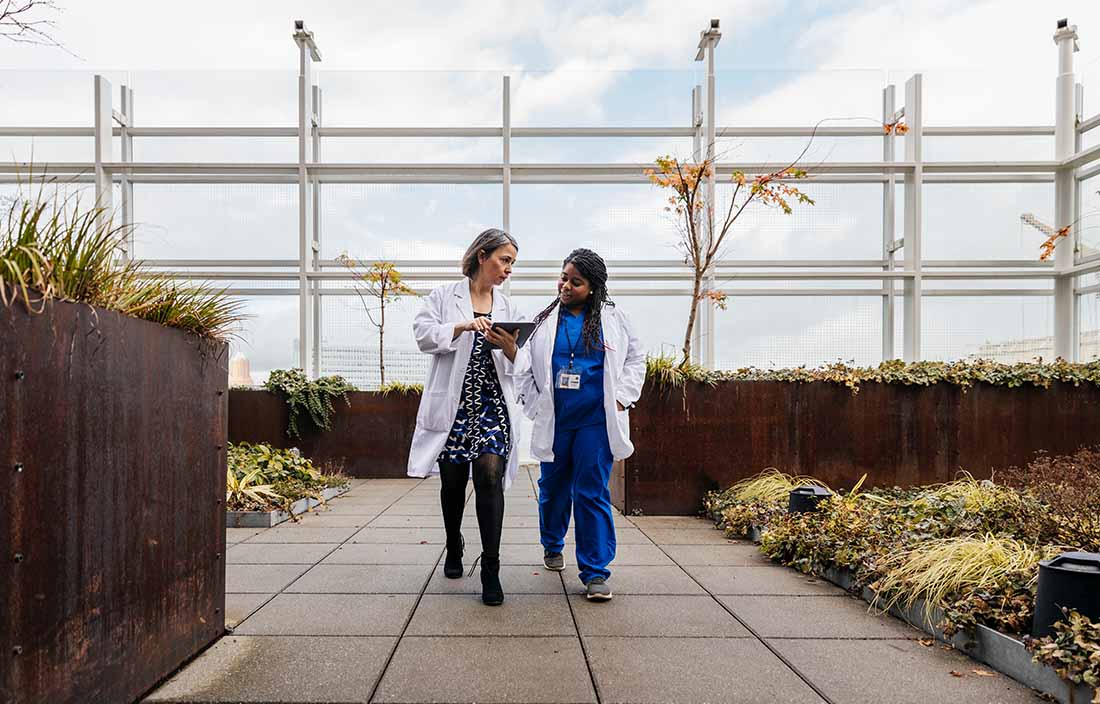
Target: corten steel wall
[[371, 438], [899, 435], [113, 532]]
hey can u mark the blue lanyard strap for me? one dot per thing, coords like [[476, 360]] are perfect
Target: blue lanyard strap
[[569, 339]]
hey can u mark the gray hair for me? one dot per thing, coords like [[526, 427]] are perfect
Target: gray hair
[[486, 242]]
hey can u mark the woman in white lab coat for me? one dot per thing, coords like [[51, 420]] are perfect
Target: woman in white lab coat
[[586, 369], [464, 425]]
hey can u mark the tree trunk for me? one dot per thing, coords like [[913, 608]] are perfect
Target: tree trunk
[[692, 316], [381, 339]]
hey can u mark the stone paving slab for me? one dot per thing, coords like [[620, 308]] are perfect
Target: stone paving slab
[[385, 554], [332, 519], [668, 616], [465, 615], [331, 615], [236, 535], [391, 520], [673, 523], [238, 606], [516, 579], [816, 617], [689, 536], [487, 670], [407, 509], [261, 579], [363, 579], [733, 554], [400, 535], [768, 580], [277, 553], [636, 555], [898, 671], [284, 533], [650, 579], [280, 669], [680, 670]]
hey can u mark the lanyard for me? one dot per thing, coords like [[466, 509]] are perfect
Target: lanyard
[[569, 339]]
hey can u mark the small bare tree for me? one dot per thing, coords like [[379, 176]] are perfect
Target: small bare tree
[[19, 22], [377, 284], [702, 234]]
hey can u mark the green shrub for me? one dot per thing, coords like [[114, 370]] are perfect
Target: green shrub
[[53, 248], [260, 477], [308, 398], [1073, 651]]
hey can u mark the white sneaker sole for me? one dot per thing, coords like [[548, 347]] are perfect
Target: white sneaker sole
[[598, 597], [554, 569]]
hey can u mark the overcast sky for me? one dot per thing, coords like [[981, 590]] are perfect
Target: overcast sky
[[573, 63]]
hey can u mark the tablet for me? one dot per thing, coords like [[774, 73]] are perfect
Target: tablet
[[525, 330]]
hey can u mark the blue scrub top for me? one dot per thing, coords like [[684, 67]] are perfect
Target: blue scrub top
[[577, 408]]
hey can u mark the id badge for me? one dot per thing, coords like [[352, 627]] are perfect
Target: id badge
[[568, 380]]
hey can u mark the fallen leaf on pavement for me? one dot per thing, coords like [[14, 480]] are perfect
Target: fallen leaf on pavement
[[927, 642], [955, 673], [984, 673]]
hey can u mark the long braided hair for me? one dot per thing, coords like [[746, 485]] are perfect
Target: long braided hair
[[591, 266]]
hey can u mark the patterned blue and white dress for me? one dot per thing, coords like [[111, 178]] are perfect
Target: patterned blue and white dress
[[481, 426]]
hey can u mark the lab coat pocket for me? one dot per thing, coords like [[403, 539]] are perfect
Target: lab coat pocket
[[435, 411], [623, 419]]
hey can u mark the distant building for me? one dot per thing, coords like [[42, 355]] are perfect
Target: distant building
[[240, 372], [1027, 350]]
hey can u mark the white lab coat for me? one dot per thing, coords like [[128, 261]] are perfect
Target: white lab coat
[[434, 328], [624, 374]]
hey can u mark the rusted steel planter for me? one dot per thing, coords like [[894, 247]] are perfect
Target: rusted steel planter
[[707, 438], [112, 523], [370, 439]]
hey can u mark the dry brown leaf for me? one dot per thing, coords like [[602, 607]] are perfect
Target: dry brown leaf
[[927, 642], [955, 673], [984, 673]]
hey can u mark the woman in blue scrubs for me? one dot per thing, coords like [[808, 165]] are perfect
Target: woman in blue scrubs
[[589, 361]]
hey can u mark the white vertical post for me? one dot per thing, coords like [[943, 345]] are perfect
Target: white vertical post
[[104, 128], [911, 315], [708, 40], [888, 101], [127, 186], [315, 188], [1065, 187], [506, 163], [307, 53], [1079, 110]]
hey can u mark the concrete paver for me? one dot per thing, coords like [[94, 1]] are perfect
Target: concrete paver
[[352, 600]]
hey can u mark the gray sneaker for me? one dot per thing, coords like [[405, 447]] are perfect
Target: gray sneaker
[[597, 590], [553, 561]]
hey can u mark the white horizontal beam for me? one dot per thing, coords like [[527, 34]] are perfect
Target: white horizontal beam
[[1089, 124], [1085, 156], [1095, 288], [529, 132]]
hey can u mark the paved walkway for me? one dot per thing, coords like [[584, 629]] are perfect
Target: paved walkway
[[351, 605]]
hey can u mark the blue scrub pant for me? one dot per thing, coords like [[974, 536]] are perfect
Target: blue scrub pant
[[577, 481]]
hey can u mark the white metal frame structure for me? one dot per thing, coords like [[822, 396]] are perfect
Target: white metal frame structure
[[1069, 166]]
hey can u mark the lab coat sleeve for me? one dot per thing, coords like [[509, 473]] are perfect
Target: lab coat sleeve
[[527, 390], [515, 369], [629, 388], [433, 336]]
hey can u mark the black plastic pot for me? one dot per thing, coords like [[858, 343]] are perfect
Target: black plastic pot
[[804, 499], [1071, 580]]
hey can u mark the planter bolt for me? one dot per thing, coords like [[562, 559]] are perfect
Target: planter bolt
[[217, 556], [220, 392], [18, 466], [17, 650], [217, 447], [20, 375], [18, 557]]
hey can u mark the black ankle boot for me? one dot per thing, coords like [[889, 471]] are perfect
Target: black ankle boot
[[452, 565], [492, 594]]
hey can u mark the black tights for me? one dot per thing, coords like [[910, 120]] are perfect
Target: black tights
[[489, 500]]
